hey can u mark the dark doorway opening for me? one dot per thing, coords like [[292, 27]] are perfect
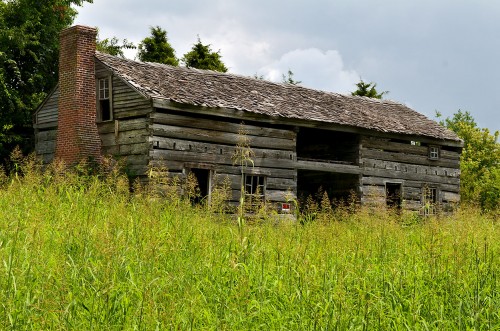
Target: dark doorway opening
[[393, 194], [341, 188], [203, 180]]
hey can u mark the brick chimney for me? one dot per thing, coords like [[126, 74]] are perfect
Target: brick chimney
[[77, 136]]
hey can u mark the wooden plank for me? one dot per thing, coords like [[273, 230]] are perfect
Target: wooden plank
[[117, 104], [168, 164], [210, 148], [406, 183], [391, 146], [407, 158], [128, 96], [131, 112], [140, 148], [218, 125], [278, 173], [409, 168], [276, 195], [328, 167], [47, 135], [395, 174], [45, 125], [48, 111], [220, 137], [189, 156], [45, 147], [281, 183], [113, 150], [123, 125]]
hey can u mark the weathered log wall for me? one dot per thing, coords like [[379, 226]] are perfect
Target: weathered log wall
[[127, 135], [183, 141], [384, 161], [46, 128]]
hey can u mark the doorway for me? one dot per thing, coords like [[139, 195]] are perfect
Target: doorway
[[393, 193], [203, 181]]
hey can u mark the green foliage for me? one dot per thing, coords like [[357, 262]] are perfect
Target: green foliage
[[113, 46], [368, 90], [480, 161], [289, 79], [202, 57], [82, 253], [156, 48], [29, 42]]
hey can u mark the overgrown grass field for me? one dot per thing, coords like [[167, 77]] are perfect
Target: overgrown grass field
[[82, 253]]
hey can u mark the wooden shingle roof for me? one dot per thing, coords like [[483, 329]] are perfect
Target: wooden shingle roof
[[214, 89]]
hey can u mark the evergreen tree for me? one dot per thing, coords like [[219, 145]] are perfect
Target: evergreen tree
[[368, 90], [202, 57], [156, 48]]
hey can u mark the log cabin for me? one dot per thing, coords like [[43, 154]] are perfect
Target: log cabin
[[190, 121]]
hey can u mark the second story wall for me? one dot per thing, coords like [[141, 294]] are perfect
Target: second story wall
[[425, 173]]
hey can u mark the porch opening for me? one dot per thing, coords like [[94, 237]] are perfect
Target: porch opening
[[341, 188], [393, 192], [327, 146]]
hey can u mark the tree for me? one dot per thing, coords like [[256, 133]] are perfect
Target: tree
[[156, 48], [368, 90], [479, 163], [112, 46], [29, 44], [289, 79], [202, 57]]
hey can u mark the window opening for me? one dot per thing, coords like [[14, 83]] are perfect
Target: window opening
[[104, 100], [430, 199], [433, 152], [255, 188]]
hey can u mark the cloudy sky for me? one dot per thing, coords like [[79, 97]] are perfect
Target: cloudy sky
[[431, 55]]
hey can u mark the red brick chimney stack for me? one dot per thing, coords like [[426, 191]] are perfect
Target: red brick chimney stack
[[77, 136]]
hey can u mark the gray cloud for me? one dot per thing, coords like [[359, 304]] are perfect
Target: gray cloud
[[435, 55]]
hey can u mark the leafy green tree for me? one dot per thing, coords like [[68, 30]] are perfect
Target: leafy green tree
[[113, 46], [289, 79], [368, 90], [29, 44], [202, 57], [156, 48], [480, 161]]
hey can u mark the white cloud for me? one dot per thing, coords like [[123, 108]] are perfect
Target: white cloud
[[315, 69]]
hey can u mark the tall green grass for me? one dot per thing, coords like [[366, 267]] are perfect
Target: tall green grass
[[81, 253]]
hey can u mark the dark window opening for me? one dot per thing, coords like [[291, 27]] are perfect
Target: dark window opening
[[104, 100], [255, 188], [393, 193], [202, 177], [105, 109], [429, 200]]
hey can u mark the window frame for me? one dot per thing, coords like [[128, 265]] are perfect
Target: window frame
[[106, 95], [430, 200], [251, 187], [434, 152]]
